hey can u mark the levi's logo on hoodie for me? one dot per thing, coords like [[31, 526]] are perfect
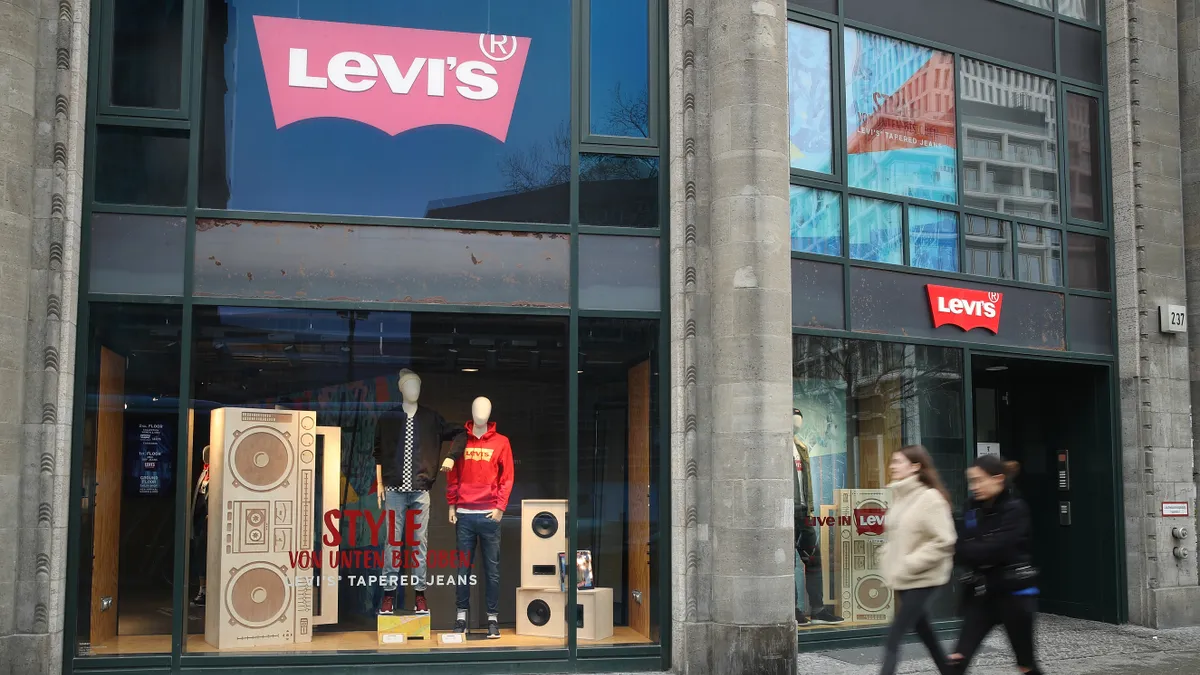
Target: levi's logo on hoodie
[[478, 454]]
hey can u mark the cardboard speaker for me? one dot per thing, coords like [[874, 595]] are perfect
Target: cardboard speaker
[[272, 474], [543, 537], [595, 614], [541, 612], [862, 594]]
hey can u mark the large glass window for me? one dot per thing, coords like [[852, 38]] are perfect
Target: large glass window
[[1087, 10], [620, 191], [422, 109], [900, 117], [989, 247], [620, 454], [619, 92], [314, 424], [147, 53], [1039, 255], [129, 472], [1088, 260], [810, 97], [876, 231], [1010, 136], [816, 217], [1083, 157], [933, 239], [855, 402]]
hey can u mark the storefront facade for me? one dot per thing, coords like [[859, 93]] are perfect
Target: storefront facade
[[951, 287], [256, 226], [304, 219]]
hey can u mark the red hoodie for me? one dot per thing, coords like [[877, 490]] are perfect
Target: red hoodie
[[483, 478]]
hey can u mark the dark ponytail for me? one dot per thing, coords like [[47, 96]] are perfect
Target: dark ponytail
[[995, 465]]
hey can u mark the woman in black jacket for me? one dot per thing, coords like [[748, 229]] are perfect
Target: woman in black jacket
[[994, 546]]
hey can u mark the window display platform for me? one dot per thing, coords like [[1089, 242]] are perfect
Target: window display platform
[[359, 641]]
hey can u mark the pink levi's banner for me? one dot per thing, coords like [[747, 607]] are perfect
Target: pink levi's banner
[[394, 79], [965, 308]]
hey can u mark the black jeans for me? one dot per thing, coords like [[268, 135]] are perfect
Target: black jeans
[[913, 614], [981, 615]]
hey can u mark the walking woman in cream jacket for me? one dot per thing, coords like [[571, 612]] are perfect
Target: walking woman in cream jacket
[[919, 553]]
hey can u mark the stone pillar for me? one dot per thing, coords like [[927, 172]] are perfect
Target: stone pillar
[[18, 63], [1149, 236], [731, 280], [43, 66]]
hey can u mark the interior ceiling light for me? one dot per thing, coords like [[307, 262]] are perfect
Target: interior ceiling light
[[470, 370], [995, 369]]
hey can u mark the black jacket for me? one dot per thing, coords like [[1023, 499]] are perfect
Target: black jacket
[[993, 536], [431, 430]]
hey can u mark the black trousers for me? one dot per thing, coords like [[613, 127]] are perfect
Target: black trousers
[[810, 557], [1014, 612], [913, 614]]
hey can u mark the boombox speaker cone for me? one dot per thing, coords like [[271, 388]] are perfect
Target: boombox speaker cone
[[545, 525], [538, 612]]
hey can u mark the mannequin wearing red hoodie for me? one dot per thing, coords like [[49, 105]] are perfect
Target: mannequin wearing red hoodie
[[477, 490]]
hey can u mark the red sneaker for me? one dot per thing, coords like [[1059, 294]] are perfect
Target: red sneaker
[[388, 606], [421, 607]]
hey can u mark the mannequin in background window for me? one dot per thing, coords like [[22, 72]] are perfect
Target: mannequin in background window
[[477, 490], [807, 550], [200, 528]]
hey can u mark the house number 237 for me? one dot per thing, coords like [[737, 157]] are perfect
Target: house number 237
[[1172, 318]]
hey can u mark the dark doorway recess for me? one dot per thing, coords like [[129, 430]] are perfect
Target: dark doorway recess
[[1055, 419]]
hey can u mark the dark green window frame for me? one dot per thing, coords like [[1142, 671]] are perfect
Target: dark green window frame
[[187, 120]]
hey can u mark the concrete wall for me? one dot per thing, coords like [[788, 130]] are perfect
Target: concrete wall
[[1144, 106], [43, 66], [731, 329]]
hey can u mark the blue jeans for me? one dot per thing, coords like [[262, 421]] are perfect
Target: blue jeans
[[470, 528], [401, 503]]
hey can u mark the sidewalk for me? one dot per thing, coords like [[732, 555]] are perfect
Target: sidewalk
[[1065, 647]]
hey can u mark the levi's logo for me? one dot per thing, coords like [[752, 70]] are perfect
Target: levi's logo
[[965, 308], [870, 521], [478, 454], [394, 79]]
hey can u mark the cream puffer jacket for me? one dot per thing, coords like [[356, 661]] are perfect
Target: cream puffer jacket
[[919, 552]]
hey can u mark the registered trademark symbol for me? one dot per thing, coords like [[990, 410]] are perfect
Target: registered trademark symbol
[[498, 47]]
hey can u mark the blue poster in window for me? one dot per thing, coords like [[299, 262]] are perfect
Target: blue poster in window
[[150, 458], [900, 132]]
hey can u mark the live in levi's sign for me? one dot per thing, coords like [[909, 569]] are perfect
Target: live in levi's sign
[[965, 308]]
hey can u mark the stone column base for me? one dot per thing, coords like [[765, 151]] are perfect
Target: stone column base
[[1174, 607]]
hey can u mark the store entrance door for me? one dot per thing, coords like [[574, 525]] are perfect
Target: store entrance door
[[1055, 419]]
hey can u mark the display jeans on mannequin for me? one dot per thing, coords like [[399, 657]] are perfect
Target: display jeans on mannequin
[[472, 528], [400, 503]]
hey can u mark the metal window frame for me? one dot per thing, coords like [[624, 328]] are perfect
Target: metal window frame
[[654, 14], [107, 11], [188, 120]]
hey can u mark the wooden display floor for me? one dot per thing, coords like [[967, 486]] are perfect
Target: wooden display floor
[[360, 641]]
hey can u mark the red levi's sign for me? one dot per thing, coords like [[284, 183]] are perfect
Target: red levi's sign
[[394, 79], [870, 521], [965, 308]]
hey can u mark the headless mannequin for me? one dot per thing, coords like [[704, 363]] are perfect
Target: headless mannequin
[[806, 533]]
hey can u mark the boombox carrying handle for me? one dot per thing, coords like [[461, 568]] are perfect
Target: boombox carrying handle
[[331, 478]]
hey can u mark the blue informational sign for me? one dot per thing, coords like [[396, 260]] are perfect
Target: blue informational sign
[[150, 458]]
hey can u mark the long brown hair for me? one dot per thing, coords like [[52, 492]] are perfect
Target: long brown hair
[[928, 473]]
